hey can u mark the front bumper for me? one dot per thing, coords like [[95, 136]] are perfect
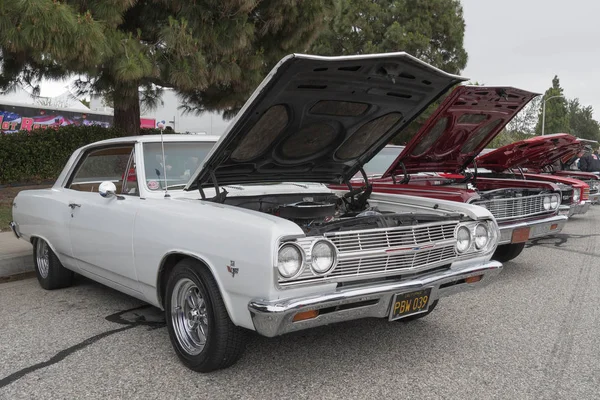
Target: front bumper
[[538, 227], [594, 198], [275, 317], [582, 207]]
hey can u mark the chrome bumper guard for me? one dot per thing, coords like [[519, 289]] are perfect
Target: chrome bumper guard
[[540, 227], [275, 317]]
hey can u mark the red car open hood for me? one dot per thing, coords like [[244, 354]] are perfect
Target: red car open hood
[[534, 153], [468, 119]]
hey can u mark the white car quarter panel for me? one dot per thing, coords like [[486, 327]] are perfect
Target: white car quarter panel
[[45, 213]]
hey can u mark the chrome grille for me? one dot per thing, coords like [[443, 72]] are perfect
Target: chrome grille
[[373, 239], [515, 207], [387, 251], [397, 262]]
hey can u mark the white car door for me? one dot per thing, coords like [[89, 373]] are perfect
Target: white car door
[[101, 228]]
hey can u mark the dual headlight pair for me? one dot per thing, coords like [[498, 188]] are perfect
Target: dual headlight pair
[[551, 202], [291, 258], [478, 236]]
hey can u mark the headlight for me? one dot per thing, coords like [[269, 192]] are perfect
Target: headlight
[[322, 257], [289, 260], [554, 200], [546, 202], [463, 239], [576, 195], [482, 236]]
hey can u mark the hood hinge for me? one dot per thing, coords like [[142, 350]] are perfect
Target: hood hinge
[[406, 177], [220, 195]]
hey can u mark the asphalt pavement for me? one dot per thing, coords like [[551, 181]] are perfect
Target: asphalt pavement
[[534, 333]]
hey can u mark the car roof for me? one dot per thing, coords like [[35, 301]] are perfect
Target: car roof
[[156, 138]]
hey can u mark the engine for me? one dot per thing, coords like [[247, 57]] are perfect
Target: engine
[[320, 213]]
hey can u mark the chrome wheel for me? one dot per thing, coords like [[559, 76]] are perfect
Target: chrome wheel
[[189, 316], [42, 256]]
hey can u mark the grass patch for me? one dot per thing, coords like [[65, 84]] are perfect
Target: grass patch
[[5, 217]]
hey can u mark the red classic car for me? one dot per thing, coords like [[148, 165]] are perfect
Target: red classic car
[[568, 168], [528, 159], [448, 142]]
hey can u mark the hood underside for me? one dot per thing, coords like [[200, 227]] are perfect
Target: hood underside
[[534, 153], [319, 119], [468, 119]]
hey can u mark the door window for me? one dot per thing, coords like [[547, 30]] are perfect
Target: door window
[[114, 164]]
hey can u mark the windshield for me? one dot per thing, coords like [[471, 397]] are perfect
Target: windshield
[[183, 158], [382, 161]]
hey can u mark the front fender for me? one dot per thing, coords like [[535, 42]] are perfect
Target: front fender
[[217, 235]]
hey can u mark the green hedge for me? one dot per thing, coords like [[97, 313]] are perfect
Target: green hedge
[[39, 155]]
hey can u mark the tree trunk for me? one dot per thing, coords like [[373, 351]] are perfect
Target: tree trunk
[[127, 107]]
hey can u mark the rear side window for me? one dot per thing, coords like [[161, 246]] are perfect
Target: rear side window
[[107, 164]]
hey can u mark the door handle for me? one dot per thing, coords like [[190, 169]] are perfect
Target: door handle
[[73, 205]]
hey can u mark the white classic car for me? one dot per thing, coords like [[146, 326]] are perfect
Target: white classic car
[[244, 235]]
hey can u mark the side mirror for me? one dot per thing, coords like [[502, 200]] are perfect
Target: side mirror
[[108, 189]]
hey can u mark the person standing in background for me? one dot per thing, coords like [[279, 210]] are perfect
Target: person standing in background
[[589, 162]]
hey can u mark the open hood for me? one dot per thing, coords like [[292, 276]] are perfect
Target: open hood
[[534, 153], [466, 121], [319, 119]]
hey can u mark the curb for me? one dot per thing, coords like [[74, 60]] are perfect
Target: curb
[[15, 264]]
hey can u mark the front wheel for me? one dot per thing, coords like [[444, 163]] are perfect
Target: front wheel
[[49, 271], [507, 252], [200, 329]]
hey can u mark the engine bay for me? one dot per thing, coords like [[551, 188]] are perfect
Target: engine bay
[[319, 213]]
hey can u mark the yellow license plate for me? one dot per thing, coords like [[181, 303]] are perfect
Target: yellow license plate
[[405, 304]]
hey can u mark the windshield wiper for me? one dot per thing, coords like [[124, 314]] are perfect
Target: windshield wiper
[[182, 185]]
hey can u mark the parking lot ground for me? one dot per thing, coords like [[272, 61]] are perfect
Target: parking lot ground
[[531, 334]]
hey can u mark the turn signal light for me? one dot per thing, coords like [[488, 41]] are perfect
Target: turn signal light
[[553, 227], [473, 279], [302, 316]]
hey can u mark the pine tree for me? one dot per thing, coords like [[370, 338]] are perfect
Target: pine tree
[[213, 52], [431, 30]]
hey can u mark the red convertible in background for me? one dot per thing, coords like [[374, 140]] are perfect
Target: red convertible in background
[[448, 142]]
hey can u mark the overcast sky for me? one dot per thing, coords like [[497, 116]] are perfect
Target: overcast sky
[[525, 43]]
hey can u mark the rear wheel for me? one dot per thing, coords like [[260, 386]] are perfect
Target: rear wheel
[[50, 272], [419, 316], [200, 329], [507, 252]]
